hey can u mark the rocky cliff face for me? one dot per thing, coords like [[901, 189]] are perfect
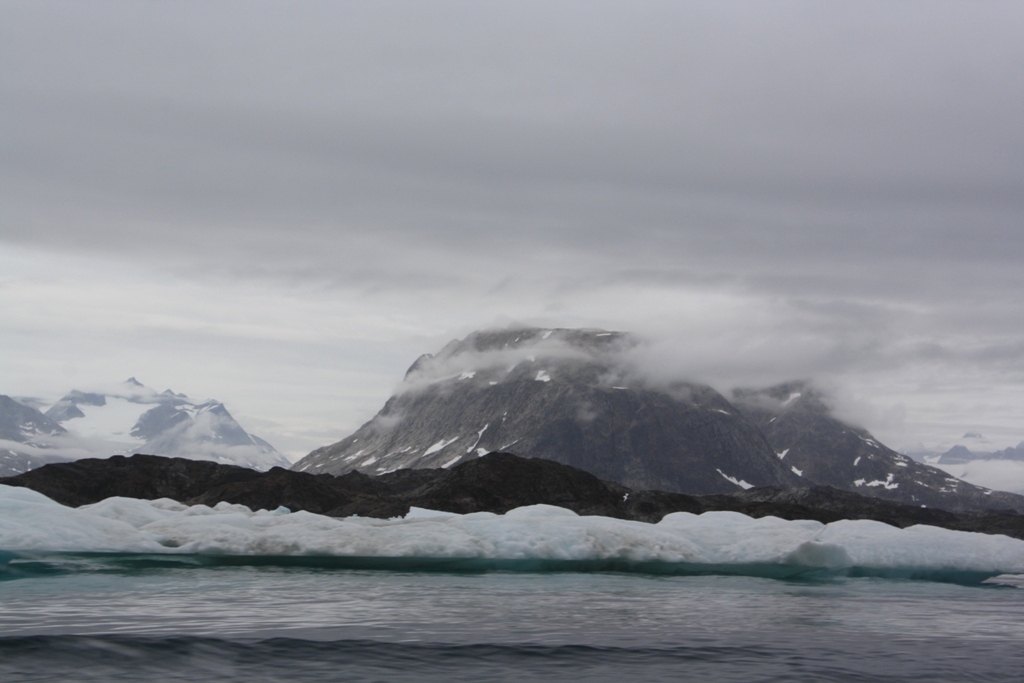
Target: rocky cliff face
[[557, 395], [806, 436]]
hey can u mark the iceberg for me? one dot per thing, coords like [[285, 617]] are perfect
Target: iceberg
[[533, 538]]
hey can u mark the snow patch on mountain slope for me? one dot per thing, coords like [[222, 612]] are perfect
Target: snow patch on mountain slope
[[440, 445], [738, 482]]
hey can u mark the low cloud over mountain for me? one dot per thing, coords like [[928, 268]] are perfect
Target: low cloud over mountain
[[578, 397]]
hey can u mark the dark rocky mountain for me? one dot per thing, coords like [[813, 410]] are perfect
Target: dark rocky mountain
[[24, 424], [497, 482], [569, 396], [25, 437], [132, 418], [806, 436], [958, 455], [558, 395]]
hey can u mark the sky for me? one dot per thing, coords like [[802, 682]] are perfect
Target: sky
[[281, 205]]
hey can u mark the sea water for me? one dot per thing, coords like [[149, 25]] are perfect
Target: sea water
[[132, 590], [125, 617]]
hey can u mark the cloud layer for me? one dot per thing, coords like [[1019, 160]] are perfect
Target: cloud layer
[[256, 199]]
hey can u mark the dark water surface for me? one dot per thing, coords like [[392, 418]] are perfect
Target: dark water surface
[[101, 620]]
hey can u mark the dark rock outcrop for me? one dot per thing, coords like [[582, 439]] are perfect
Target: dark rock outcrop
[[141, 476], [497, 482]]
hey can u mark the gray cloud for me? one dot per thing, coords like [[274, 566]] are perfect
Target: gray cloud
[[773, 189]]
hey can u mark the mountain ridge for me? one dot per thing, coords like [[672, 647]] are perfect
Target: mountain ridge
[[552, 394], [129, 418], [494, 483], [574, 397]]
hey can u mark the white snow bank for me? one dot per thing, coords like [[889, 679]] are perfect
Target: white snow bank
[[31, 522]]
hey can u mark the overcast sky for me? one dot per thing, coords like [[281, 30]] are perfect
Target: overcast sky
[[281, 205]]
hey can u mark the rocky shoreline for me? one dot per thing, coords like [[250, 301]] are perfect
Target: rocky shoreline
[[497, 482]]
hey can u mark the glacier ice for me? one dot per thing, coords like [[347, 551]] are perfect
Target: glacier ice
[[716, 541]]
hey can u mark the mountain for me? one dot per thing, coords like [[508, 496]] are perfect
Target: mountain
[[804, 433], [575, 397], [557, 395], [26, 436], [131, 418], [958, 455]]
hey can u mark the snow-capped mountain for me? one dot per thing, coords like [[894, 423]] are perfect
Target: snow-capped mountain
[[958, 455], [556, 394], [26, 437], [1003, 468], [132, 418], [571, 396], [806, 435]]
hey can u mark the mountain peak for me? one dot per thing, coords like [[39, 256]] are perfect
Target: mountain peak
[[570, 396], [557, 394], [131, 418]]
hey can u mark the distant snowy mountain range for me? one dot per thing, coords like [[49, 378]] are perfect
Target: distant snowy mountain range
[[958, 455], [129, 418], [979, 464]]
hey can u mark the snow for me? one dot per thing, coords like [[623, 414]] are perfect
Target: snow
[[723, 412], [797, 472], [451, 462], [542, 376], [856, 460], [739, 482], [792, 397], [440, 445], [479, 435], [113, 421], [782, 454], [888, 483], [30, 524], [547, 333], [468, 375]]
